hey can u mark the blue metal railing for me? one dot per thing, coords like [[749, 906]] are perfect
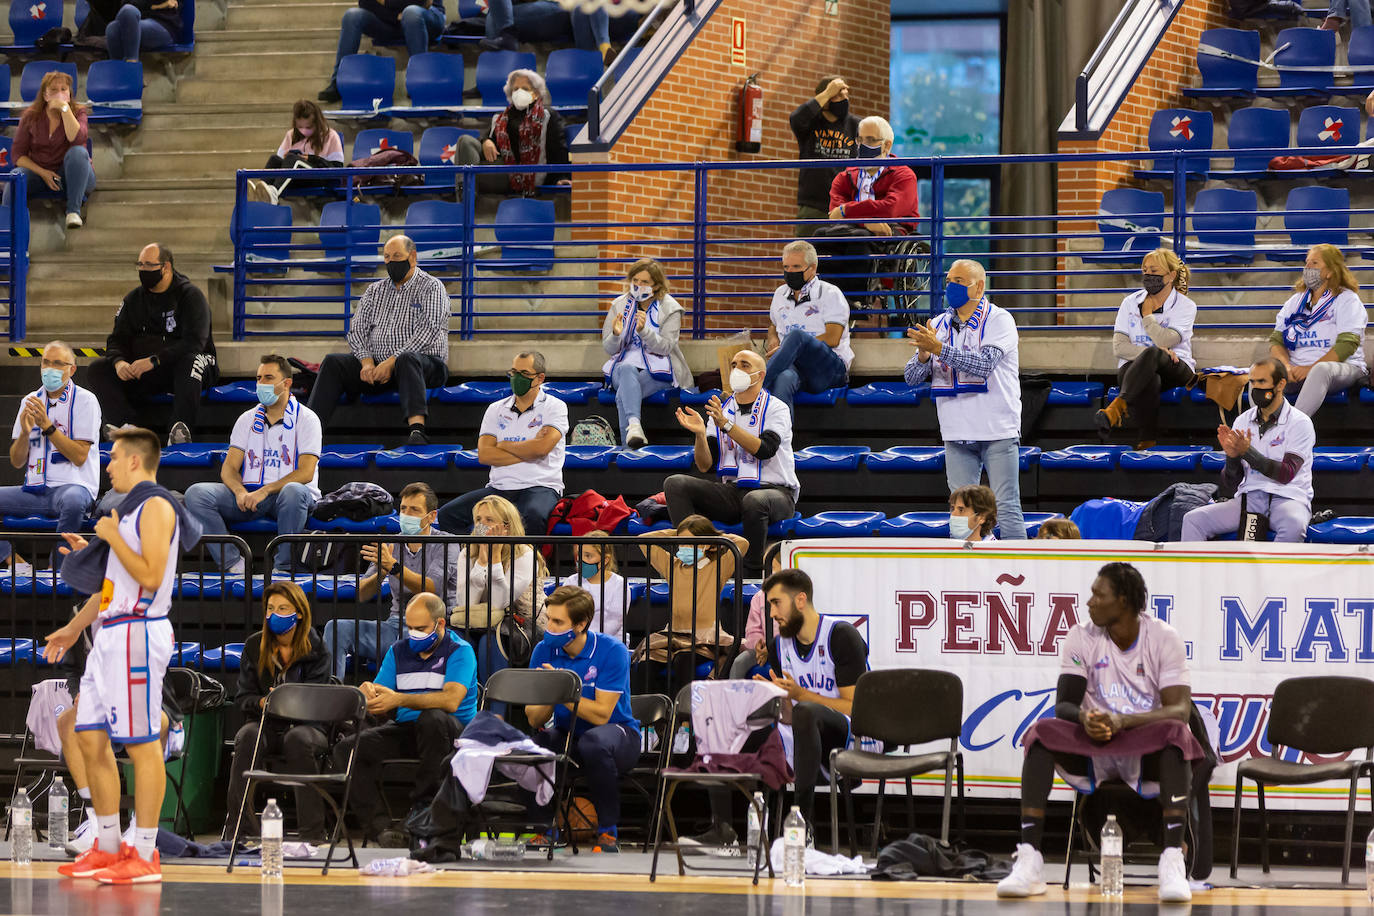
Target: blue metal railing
[[14, 255]]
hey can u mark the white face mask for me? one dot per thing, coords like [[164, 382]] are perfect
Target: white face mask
[[740, 380], [959, 527], [522, 98], [640, 293]]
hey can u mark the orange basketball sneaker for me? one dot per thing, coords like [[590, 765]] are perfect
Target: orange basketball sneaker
[[130, 868], [88, 863]]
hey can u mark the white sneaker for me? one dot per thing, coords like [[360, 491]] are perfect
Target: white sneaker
[[74, 221], [634, 435], [237, 570], [1173, 877], [82, 839], [1027, 878]]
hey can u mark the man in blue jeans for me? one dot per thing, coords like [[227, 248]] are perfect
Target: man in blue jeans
[[808, 341], [509, 22], [969, 355], [418, 24]]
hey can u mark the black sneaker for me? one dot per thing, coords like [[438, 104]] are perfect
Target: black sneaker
[[720, 840], [504, 41], [417, 437], [330, 93]]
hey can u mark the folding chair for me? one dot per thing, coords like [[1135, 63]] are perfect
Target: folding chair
[[654, 711], [338, 709]]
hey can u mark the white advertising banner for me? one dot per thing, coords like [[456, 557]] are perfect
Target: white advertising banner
[[995, 614]]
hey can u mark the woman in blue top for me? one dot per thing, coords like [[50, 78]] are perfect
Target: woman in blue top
[[640, 335]]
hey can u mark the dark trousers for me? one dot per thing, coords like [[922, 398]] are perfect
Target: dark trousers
[[816, 731], [847, 255], [533, 503], [429, 738], [755, 508], [1167, 767], [603, 754], [123, 402], [412, 376], [1142, 379], [300, 748]]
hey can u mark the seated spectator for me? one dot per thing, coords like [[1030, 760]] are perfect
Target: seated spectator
[[50, 143], [1058, 529], [972, 514], [1123, 676], [496, 580], [808, 340], [271, 470], [605, 734], [1153, 343], [1355, 12], [640, 334], [1319, 332], [161, 343], [397, 341], [695, 576], [747, 441], [883, 196], [310, 143], [1268, 464], [413, 568], [596, 574], [521, 440], [146, 25], [287, 650], [424, 693], [528, 132], [824, 129], [416, 22], [54, 444], [510, 22]]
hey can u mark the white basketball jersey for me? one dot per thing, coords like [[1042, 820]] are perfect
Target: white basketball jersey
[[121, 595], [815, 672]]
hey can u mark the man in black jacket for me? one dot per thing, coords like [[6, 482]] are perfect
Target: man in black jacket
[[161, 342], [825, 130]]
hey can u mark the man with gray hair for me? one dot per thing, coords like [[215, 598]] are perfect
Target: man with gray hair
[[397, 341], [808, 341], [969, 355]]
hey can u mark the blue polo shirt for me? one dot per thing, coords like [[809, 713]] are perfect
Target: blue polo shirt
[[451, 662], [603, 663]]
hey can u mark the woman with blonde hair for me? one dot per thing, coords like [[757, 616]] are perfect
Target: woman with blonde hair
[[1152, 341], [1319, 332], [51, 143], [640, 335]]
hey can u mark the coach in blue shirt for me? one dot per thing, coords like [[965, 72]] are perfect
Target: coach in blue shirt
[[427, 689], [605, 733]]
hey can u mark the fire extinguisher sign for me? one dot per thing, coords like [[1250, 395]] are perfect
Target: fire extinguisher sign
[[737, 41]]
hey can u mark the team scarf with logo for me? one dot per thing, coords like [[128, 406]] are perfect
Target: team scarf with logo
[[41, 452]]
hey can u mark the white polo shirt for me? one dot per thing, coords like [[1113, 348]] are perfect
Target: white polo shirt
[[503, 422], [77, 414], [1178, 314], [1291, 432], [821, 304], [272, 451], [735, 464], [976, 409], [1308, 333]]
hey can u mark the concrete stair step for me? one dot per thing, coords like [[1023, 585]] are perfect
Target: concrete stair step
[[249, 64], [99, 235], [191, 163], [235, 41], [261, 87], [282, 15], [221, 136], [190, 116]]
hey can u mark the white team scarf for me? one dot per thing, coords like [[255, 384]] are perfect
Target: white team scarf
[[736, 461], [254, 479], [632, 343], [41, 450], [945, 380]]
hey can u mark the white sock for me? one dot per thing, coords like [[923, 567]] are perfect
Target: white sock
[[107, 826], [145, 841], [84, 793]]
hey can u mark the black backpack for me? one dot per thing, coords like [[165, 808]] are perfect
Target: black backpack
[[357, 501]]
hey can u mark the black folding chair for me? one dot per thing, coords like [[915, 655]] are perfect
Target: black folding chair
[[901, 708], [655, 713], [338, 709]]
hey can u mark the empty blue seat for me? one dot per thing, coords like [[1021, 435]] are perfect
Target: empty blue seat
[[838, 524], [1075, 394], [1264, 130], [1224, 220], [479, 392], [656, 458], [698, 398], [436, 228], [1232, 73], [1348, 530], [350, 230], [435, 80], [375, 139], [1212, 462], [439, 146], [14, 650], [659, 398], [416, 457], [186, 655], [887, 394], [1160, 460], [1130, 222], [747, 592], [347, 456], [226, 657], [1332, 459], [1360, 57], [115, 88], [524, 230], [31, 77], [266, 235], [1303, 48], [830, 457], [588, 457], [333, 588], [907, 459], [387, 398], [466, 460], [244, 392], [1028, 457], [378, 524], [827, 398], [30, 523], [29, 19], [366, 82], [1314, 216], [637, 525], [1179, 129], [915, 525], [1328, 125], [492, 69], [569, 73], [190, 455], [572, 392], [1083, 457]]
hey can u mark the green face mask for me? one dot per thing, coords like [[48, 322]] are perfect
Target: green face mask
[[520, 384]]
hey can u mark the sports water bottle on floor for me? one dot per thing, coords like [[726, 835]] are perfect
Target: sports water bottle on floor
[[57, 813], [794, 849], [271, 842], [1111, 858], [21, 829], [489, 850]]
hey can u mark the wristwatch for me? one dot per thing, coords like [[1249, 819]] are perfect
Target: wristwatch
[[395, 569], [728, 426], [52, 428]]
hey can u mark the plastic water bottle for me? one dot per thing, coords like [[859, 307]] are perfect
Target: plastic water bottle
[[1369, 865], [271, 842], [58, 800], [21, 829], [794, 849], [755, 830], [488, 850], [1111, 858]]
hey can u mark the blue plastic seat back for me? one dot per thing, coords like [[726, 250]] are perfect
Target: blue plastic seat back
[[1108, 519], [830, 457], [32, 75], [1265, 129], [656, 458], [1328, 125], [1305, 48], [1225, 74], [375, 139], [1346, 530], [916, 525], [1360, 55], [912, 459], [524, 228], [29, 19], [1131, 220], [492, 69], [263, 226], [83, 9], [439, 146], [347, 456], [838, 524], [1226, 216], [365, 79], [1317, 215], [588, 457], [572, 392], [357, 240], [435, 80], [114, 81], [1074, 394], [887, 394], [1083, 457], [1181, 128], [569, 73], [476, 392], [436, 227]]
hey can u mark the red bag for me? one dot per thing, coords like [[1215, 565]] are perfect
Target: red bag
[[589, 512], [1302, 163]]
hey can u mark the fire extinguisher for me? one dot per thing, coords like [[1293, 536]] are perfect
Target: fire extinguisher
[[749, 139]]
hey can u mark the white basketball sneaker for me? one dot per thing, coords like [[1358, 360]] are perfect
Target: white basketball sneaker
[[1173, 877], [1027, 878]]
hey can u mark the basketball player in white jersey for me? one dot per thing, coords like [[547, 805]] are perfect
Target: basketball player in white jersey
[[121, 689]]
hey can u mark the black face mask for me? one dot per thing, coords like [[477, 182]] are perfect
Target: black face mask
[[1152, 283], [1262, 397], [397, 270], [868, 152], [150, 278], [795, 279], [839, 108]]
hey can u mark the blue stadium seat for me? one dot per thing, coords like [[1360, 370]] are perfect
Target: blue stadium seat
[[1225, 77], [828, 398], [1179, 129], [656, 458], [375, 139], [637, 527], [436, 227], [1327, 125], [1083, 457], [266, 233], [366, 82], [830, 457], [1315, 215], [226, 657], [569, 73], [907, 459], [193, 585], [1348, 530], [887, 394], [83, 9], [727, 592], [331, 588], [838, 525], [588, 457], [1167, 396], [32, 75], [1211, 462], [776, 530], [1224, 220], [255, 526], [115, 88], [916, 525], [661, 398], [416, 457], [380, 524], [1033, 522], [1360, 56], [191, 455], [1130, 222], [1161, 459], [698, 398], [29, 19], [466, 460], [1334, 459], [572, 392], [1303, 48], [524, 230], [1029, 457], [30, 523], [434, 81], [186, 655], [1075, 394], [347, 456], [479, 392], [1107, 519], [361, 237], [1264, 130], [243, 392], [439, 147], [14, 651], [492, 69]]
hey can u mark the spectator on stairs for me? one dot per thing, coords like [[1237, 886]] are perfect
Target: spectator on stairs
[[416, 22], [51, 143], [310, 143], [145, 25], [640, 334], [824, 129], [528, 132]]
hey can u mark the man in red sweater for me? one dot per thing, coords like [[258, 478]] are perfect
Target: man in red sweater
[[883, 197]]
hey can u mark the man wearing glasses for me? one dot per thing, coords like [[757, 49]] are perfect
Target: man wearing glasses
[[397, 341], [160, 343], [521, 440]]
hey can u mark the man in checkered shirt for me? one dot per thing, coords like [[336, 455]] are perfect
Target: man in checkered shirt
[[398, 340]]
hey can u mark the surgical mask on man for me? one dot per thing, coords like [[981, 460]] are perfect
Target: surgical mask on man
[[1261, 397], [522, 99], [740, 380], [1312, 278], [411, 525], [959, 528], [53, 380], [267, 394], [420, 641]]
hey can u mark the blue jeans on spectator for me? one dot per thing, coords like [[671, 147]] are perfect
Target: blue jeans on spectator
[[365, 640], [547, 21], [78, 179], [1357, 11], [216, 508], [806, 362], [68, 503], [533, 503], [418, 27], [130, 31], [1001, 458], [632, 385]]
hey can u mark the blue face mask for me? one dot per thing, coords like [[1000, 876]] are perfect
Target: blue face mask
[[281, 624], [956, 295], [590, 569], [687, 556], [959, 528], [559, 640], [411, 525], [422, 643], [267, 395], [53, 380]]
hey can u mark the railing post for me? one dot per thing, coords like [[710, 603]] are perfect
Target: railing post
[[937, 235], [467, 325], [699, 252], [594, 115], [19, 255], [240, 318], [1180, 185], [347, 253]]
